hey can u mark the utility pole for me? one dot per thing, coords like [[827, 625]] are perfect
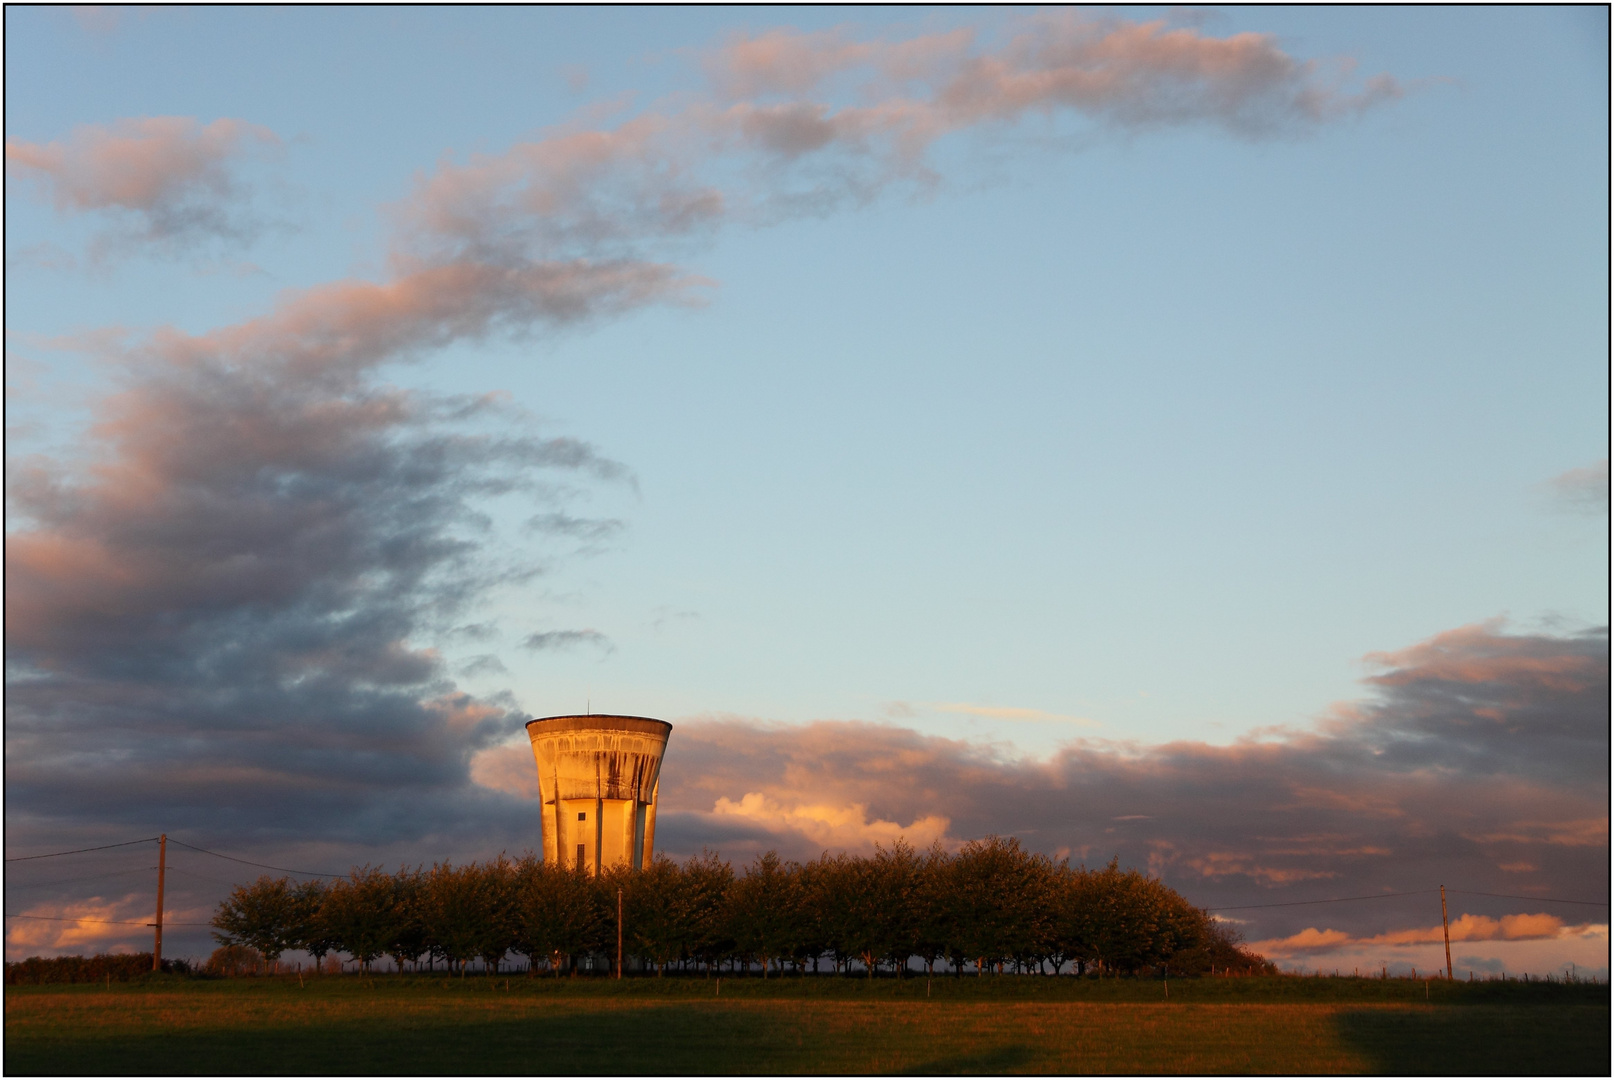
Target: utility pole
[[1445, 931], [619, 933], [162, 869]]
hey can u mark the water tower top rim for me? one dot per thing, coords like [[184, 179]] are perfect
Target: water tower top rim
[[598, 722]]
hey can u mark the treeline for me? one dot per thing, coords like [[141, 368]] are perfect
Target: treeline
[[103, 967], [991, 906]]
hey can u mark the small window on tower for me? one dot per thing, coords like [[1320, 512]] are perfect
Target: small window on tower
[[582, 815]]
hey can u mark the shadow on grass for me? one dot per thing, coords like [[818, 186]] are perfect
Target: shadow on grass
[[669, 1040], [1002, 1059], [1545, 1040]]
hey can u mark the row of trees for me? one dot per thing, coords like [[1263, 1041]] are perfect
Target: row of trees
[[989, 905]]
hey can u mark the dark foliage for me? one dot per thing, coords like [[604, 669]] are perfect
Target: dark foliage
[[990, 907], [118, 967]]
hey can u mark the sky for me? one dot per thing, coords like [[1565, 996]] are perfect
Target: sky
[[1172, 434]]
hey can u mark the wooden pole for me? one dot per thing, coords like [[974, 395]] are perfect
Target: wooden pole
[[1445, 931], [162, 869], [619, 933]]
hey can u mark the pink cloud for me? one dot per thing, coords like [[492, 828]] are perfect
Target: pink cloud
[[1464, 928], [784, 61], [172, 174], [762, 147], [829, 824], [1478, 655], [1584, 489], [93, 923]]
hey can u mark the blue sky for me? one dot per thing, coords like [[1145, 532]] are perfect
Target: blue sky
[[1142, 419]]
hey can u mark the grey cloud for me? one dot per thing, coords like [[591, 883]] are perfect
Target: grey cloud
[[484, 631], [662, 617], [214, 632], [485, 664], [567, 639], [589, 531]]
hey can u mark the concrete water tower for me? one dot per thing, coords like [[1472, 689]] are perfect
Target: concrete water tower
[[598, 777]]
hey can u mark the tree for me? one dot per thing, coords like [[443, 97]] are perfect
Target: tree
[[262, 916], [408, 937], [1124, 921], [832, 884], [992, 907], [360, 913], [310, 932], [655, 908], [895, 874], [765, 910], [495, 915], [460, 909], [928, 903], [554, 912], [707, 881]]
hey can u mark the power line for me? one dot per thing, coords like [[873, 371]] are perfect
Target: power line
[[107, 922], [82, 877], [1541, 899], [181, 843], [249, 862], [1336, 900], [200, 877], [78, 851]]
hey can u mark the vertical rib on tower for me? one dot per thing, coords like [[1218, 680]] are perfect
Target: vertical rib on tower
[[598, 777]]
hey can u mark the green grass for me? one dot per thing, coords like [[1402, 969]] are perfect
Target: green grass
[[415, 1025]]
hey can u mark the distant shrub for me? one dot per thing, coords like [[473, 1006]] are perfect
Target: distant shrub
[[118, 967], [230, 961]]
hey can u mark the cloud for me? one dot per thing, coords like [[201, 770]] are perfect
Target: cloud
[[1524, 927], [567, 639], [760, 146], [831, 825], [1486, 703], [1584, 489], [664, 616], [1120, 72], [101, 20], [483, 664], [509, 768], [588, 529], [219, 612], [94, 923], [169, 180]]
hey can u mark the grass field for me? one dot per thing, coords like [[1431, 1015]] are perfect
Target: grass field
[[424, 1024]]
